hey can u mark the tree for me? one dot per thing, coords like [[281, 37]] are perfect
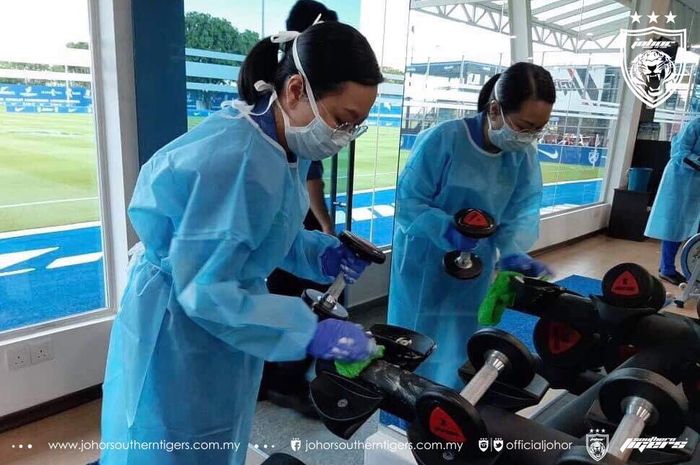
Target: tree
[[246, 41], [205, 32], [80, 45]]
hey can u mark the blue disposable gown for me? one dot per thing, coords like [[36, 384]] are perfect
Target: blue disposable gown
[[676, 212], [447, 172], [217, 210]]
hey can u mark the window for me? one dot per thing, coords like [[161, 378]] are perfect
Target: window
[[384, 23], [50, 230], [578, 42], [213, 62]]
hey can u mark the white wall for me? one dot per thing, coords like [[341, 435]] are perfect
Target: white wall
[[79, 363]]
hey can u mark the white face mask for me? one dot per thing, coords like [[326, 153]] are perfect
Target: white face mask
[[506, 138], [317, 140]]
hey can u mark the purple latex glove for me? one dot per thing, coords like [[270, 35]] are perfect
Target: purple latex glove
[[342, 258], [459, 241], [525, 264], [341, 340]]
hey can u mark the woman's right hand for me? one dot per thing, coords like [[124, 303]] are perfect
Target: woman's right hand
[[341, 340], [459, 241]]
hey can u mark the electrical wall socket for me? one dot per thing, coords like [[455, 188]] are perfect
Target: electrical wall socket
[[41, 351], [18, 357]]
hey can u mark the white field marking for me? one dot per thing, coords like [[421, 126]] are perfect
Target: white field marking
[[16, 272], [74, 260], [384, 210], [9, 259], [362, 214], [47, 202], [51, 229], [580, 181]]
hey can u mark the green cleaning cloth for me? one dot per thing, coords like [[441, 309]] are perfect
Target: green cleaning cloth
[[353, 369], [501, 295]]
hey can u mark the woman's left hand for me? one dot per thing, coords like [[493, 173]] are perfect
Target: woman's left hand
[[525, 264]]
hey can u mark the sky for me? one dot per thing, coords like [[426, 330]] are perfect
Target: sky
[[392, 31], [47, 27]]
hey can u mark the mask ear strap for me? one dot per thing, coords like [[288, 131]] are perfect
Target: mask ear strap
[[307, 84]]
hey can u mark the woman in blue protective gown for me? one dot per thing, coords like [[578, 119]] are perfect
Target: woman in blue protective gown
[[676, 212], [488, 162], [217, 210]]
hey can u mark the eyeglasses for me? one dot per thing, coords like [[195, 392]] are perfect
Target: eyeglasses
[[353, 131], [345, 132], [525, 133]]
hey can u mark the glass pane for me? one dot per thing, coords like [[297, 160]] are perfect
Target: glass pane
[[50, 238], [444, 75], [213, 61], [384, 23], [575, 149], [681, 107]]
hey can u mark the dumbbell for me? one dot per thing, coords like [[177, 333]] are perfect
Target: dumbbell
[[282, 459], [629, 285], [475, 224], [444, 415], [579, 455], [641, 401], [326, 305], [563, 346]]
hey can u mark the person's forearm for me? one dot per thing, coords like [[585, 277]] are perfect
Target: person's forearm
[[317, 203]]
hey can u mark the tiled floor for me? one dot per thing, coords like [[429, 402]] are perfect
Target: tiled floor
[[277, 427]]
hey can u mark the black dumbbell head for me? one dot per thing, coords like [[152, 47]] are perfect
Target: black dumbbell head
[[579, 455], [448, 417], [691, 385], [669, 402], [454, 270], [282, 459], [561, 345], [521, 366], [658, 294], [314, 298], [475, 223], [364, 249], [631, 286]]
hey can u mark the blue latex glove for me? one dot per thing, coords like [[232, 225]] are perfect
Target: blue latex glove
[[459, 241], [342, 258], [525, 264], [341, 340]]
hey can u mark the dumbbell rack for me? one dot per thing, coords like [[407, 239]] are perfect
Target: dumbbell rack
[[692, 288]]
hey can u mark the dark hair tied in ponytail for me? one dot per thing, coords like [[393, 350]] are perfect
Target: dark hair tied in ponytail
[[517, 84]]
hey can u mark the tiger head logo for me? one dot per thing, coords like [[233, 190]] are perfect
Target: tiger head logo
[[650, 71], [648, 62]]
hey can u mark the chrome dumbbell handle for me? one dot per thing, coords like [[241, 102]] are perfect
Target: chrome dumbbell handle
[[464, 260], [638, 413], [485, 377], [330, 298]]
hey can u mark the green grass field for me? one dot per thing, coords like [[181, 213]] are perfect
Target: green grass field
[[48, 168]]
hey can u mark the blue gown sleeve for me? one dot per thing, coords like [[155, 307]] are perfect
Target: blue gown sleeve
[[519, 226], [687, 140], [419, 185], [304, 258], [217, 250]]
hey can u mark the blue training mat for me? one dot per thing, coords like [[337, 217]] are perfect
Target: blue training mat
[[521, 326]]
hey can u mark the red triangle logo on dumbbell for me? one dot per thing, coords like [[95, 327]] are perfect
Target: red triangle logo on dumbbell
[[443, 426], [475, 219], [626, 285]]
